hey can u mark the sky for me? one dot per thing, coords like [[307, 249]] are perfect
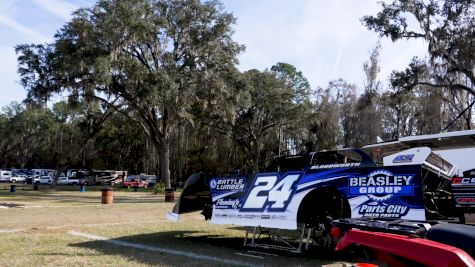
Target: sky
[[323, 39]]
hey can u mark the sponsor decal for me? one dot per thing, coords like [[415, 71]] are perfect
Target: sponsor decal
[[279, 217], [338, 165], [383, 210], [382, 182], [228, 184], [461, 181], [227, 204], [403, 158], [380, 186], [465, 200], [212, 184]]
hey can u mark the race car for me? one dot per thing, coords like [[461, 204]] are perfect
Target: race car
[[313, 189]]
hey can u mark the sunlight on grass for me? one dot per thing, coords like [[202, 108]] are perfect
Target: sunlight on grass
[[42, 227]]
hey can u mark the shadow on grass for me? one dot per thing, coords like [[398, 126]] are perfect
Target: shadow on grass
[[200, 243], [195, 242]]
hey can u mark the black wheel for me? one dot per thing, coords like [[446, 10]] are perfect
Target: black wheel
[[318, 209]]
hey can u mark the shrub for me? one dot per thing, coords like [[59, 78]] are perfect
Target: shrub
[[159, 188]]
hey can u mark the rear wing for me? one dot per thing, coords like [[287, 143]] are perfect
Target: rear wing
[[422, 156]]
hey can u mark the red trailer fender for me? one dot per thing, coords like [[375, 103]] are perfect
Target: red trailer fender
[[415, 249]]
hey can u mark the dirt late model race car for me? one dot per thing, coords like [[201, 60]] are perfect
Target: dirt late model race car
[[311, 190]]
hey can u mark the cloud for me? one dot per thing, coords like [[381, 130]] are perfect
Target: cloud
[[16, 26], [62, 9]]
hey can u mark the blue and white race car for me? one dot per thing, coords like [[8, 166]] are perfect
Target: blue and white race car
[[315, 188]]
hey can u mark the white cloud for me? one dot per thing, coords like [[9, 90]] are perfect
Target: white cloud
[[62, 9], [28, 32]]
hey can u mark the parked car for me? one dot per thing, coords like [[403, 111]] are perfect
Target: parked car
[[67, 181], [45, 180], [18, 178], [151, 179], [136, 182]]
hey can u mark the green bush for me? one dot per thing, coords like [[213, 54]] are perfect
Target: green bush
[[159, 188]]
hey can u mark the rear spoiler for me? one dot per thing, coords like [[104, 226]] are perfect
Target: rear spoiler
[[422, 156]]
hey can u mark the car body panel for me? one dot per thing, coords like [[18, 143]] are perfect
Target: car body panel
[[273, 199], [419, 250]]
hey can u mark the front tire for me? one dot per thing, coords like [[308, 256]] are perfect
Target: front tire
[[319, 208]]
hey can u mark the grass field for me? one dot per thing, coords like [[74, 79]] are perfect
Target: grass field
[[72, 228]]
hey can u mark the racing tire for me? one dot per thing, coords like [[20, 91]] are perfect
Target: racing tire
[[319, 208]]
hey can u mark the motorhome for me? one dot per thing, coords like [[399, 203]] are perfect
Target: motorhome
[[38, 173], [5, 175]]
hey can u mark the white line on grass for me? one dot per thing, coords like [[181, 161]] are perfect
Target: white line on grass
[[162, 250], [100, 224], [248, 255], [11, 230]]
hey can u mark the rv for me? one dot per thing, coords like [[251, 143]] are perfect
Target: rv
[[5, 176]]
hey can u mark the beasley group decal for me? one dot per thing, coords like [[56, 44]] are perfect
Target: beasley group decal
[[382, 182], [383, 189]]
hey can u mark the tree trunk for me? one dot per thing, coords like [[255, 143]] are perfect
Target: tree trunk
[[257, 156], [164, 158]]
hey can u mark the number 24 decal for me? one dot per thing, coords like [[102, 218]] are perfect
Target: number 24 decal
[[265, 192]]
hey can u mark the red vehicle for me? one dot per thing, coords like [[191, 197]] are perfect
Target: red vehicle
[[409, 243], [135, 183]]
